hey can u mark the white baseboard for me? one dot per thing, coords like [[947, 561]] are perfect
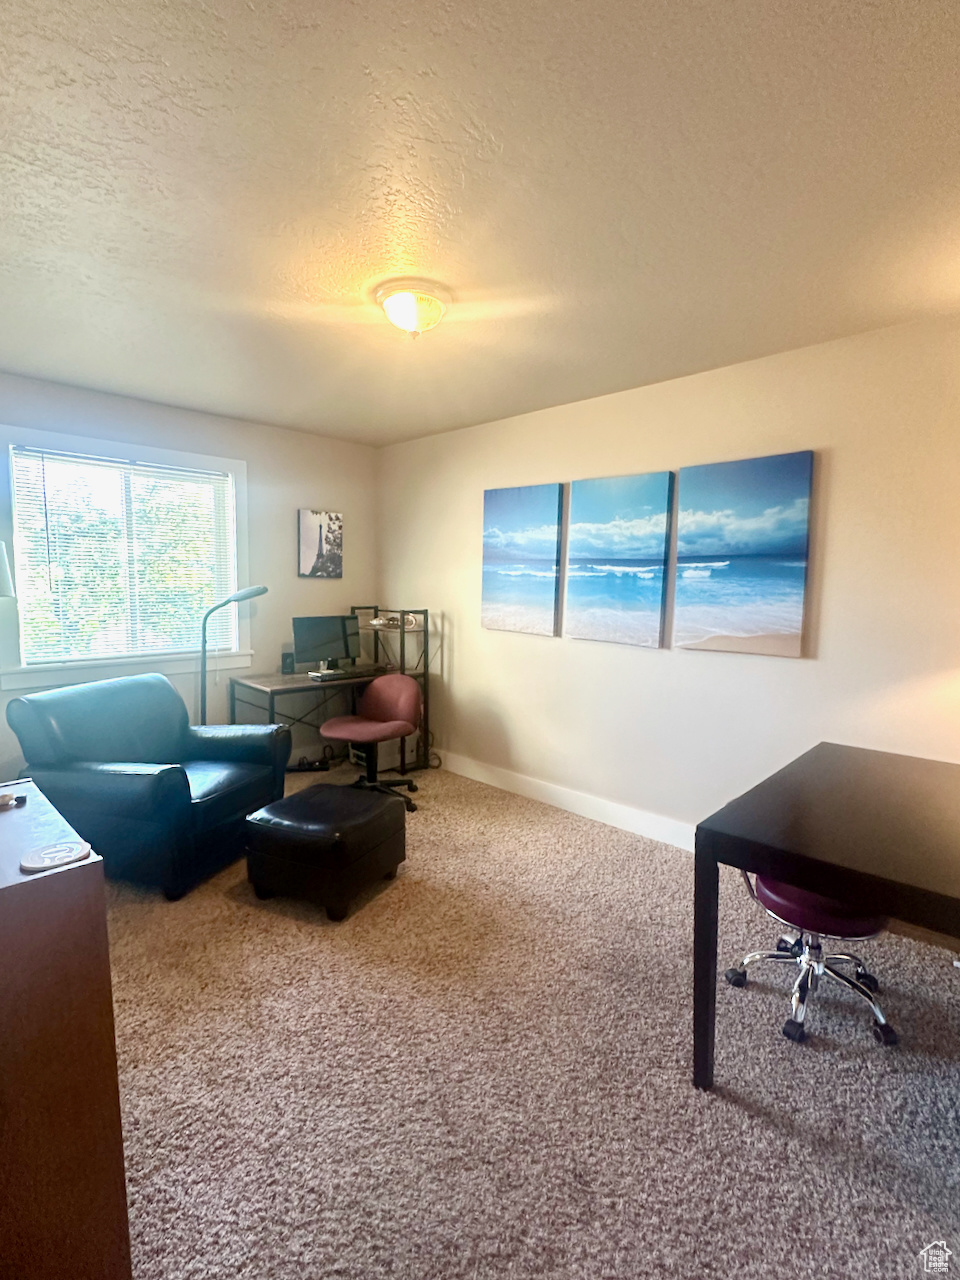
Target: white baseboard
[[640, 821]]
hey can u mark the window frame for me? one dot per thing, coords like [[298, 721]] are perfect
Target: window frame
[[14, 673]]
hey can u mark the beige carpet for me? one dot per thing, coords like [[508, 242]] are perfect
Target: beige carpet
[[485, 1072]]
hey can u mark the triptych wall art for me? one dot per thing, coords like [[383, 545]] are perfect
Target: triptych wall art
[[738, 578]]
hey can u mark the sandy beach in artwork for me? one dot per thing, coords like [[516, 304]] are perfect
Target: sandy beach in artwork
[[743, 604], [776, 646], [623, 625], [529, 619]]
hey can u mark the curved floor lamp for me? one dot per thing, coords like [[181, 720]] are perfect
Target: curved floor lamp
[[246, 594]]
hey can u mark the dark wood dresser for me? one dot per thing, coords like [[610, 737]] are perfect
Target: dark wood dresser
[[63, 1208]]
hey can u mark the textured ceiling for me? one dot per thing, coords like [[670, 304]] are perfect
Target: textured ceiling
[[196, 197]]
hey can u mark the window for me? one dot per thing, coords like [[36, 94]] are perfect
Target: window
[[117, 559]]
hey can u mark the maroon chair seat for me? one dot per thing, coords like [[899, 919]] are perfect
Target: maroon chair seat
[[357, 729], [814, 913]]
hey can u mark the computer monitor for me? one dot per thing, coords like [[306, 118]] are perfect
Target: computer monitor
[[318, 640]]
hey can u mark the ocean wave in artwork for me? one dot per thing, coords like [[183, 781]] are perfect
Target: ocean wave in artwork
[[523, 571], [619, 570]]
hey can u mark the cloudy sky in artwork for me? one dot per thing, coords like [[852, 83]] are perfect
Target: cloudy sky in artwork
[[522, 522], [759, 506], [621, 517]]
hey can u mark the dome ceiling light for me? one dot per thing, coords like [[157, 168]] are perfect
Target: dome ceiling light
[[411, 304]]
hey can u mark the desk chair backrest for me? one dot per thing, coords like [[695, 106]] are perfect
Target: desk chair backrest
[[393, 697]]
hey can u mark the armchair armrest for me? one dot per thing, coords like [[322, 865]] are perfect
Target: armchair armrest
[[143, 791], [267, 744]]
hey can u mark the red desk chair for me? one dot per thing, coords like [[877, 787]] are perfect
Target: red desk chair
[[390, 708], [812, 917]]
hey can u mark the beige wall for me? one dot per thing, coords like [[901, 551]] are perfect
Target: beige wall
[[285, 470], [678, 733]]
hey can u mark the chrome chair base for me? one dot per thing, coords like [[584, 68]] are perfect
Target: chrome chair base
[[805, 950]]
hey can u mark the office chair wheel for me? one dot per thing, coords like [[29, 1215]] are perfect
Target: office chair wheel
[[885, 1033], [337, 911], [411, 807], [259, 891], [794, 1031], [412, 786], [736, 977], [868, 980]]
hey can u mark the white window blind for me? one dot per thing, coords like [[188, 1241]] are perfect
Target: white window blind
[[120, 558]]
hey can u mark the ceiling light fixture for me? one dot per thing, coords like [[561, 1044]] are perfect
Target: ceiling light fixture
[[411, 304]]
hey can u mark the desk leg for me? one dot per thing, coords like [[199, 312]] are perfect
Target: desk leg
[[233, 703], [705, 905]]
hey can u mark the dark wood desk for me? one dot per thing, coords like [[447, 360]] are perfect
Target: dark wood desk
[[63, 1207], [879, 830]]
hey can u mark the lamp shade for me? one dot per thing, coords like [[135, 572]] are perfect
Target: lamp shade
[[6, 578], [246, 593]]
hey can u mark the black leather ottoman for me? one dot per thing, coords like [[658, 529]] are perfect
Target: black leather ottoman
[[325, 843]]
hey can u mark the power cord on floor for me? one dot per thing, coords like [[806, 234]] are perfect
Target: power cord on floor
[[306, 765], [327, 761]]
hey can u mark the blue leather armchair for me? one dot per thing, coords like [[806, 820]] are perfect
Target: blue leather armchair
[[161, 801]]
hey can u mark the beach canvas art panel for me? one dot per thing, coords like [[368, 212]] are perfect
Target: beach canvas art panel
[[617, 544], [742, 547], [521, 558], [321, 544]]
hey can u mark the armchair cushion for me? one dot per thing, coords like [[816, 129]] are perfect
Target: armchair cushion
[[224, 792]]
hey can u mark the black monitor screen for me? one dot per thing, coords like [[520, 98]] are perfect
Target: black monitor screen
[[318, 640]]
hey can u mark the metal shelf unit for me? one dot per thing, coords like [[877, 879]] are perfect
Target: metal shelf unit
[[398, 655]]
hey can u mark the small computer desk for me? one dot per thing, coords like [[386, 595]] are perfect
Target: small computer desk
[[273, 687], [881, 831]]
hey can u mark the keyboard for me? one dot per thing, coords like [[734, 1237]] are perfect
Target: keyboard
[[348, 673]]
